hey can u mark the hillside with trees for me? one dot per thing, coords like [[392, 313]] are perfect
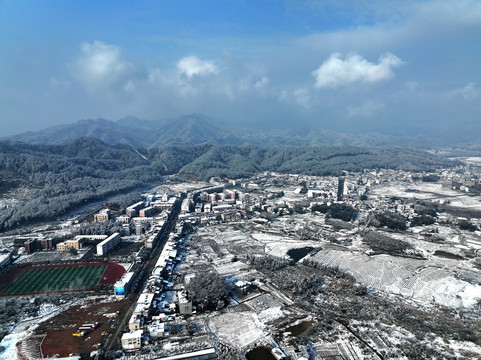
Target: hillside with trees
[[243, 161], [52, 180], [47, 181]]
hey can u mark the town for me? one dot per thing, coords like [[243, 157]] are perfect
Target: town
[[280, 266]]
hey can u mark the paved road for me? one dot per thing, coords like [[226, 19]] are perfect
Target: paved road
[[145, 273]]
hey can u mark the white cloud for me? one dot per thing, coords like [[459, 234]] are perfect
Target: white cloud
[[192, 65], [365, 110], [469, 92], [100, 65], [300, 97], [262, 82], [335, 71], [405, 23]]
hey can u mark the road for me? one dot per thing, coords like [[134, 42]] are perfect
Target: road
[[145, 273]]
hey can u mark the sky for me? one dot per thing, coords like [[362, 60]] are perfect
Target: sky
[[394, 67]]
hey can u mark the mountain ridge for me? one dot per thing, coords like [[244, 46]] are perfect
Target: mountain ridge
[[195, 129]]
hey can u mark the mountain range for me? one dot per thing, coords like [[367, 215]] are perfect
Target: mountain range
[[195, 129]]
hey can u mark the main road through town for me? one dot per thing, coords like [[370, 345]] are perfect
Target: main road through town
[[145, 273]]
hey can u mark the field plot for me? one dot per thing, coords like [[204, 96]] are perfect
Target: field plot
[[238, 329], [429, 191], [432, 280], [61, 278]]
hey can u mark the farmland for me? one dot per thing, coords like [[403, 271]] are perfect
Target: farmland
[[57, 278]]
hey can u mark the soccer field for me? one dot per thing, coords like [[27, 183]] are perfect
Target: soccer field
[[56, 279]]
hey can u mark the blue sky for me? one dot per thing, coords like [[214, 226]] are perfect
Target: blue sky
[[397, 67]]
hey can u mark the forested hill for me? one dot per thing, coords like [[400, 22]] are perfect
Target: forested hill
[[50, 180], [205, 161]]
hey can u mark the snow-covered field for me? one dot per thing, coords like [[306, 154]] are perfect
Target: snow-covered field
[[240, 329], [431, 280], [429, 191], [476, 161], [278, 245], [181, 187], [25, 329]]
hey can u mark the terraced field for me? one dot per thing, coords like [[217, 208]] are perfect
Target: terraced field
[[44, 279], [431, 280]]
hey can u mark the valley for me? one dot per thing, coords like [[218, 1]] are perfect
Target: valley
[[298, 277]]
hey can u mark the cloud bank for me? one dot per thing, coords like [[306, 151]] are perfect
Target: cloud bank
[[192, 65], [336, 72], [100, 65], [307, 62]]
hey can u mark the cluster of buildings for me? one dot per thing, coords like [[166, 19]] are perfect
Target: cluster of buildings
[[159, 302], [469, 187], [278, 194], [38, 244], [152, 205]]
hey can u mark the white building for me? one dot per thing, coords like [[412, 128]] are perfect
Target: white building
[[108, 244], [135, 322], [132, 340], [186, 204], [5, 259], [121, 286], [156, 330]]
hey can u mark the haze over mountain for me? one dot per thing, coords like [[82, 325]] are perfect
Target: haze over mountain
[[198, 129], [410, 68]]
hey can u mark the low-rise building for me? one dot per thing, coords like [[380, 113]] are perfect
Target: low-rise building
[[122, 286], [144, 304], [132, 340], [156, 330], [186, 205], [108, 244], [103, 215], [147, 212], [76, 244], [136, 322], [133, 210]]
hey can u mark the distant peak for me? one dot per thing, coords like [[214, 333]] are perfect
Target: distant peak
[[129, 118], [94, 121]]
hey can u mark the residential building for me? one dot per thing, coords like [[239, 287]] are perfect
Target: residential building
[[133, 210], [121, 286], [132, 340], [103, 215], [31, 245], [108, 244], [77, 244], [147, 212]]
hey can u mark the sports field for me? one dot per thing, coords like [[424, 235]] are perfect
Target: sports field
[[37, 280]]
